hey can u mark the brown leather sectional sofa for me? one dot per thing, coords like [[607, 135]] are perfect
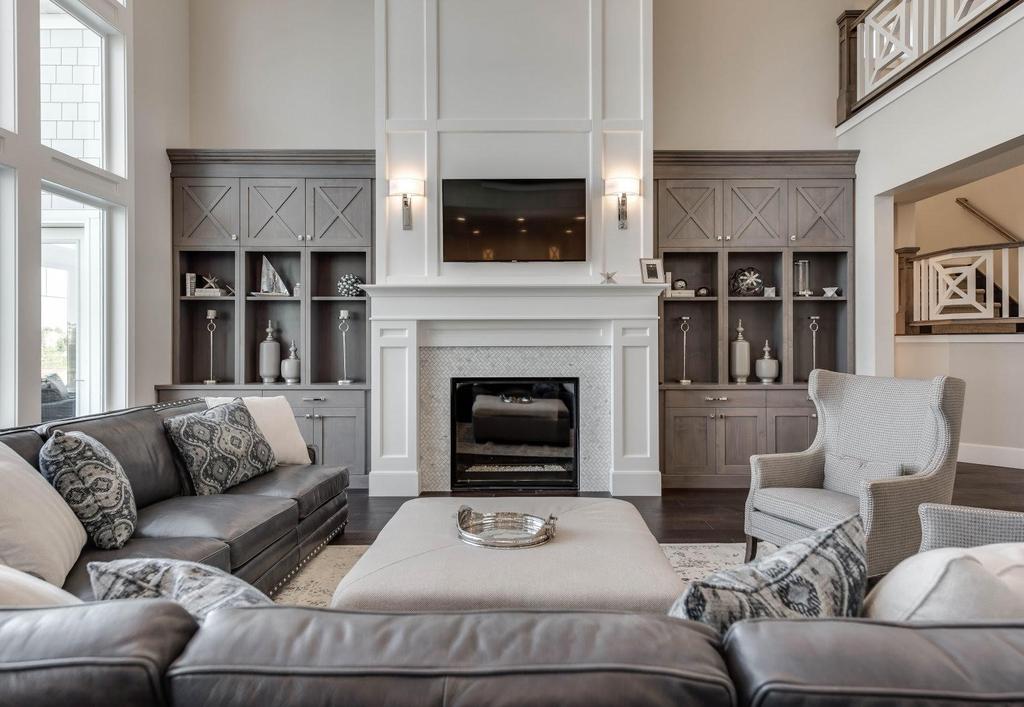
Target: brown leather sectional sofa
[[150, 652], [261, 530]]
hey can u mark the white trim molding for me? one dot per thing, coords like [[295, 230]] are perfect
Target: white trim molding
[[991, 455]]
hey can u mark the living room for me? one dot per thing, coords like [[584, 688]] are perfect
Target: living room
[[447, 351]]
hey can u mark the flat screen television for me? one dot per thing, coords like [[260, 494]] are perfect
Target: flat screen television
[[514, 220]]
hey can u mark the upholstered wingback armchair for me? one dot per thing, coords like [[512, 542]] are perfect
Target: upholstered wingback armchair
[[884, 446], [963, 526]]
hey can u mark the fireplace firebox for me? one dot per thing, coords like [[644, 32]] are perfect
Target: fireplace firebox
[[515, 433]]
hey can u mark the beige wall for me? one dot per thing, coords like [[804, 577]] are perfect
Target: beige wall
[[272, 74], [939, 222], [742, 75], [161, 121]]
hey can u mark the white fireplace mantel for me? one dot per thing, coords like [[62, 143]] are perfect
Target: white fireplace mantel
[[408, 317]]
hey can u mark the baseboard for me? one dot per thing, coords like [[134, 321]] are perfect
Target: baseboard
[[636, 483], [991, 455], [405, 484]]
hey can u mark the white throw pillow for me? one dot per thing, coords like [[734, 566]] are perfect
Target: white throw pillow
[[39, 533], [953, 584], [21, 589], [276, 421]]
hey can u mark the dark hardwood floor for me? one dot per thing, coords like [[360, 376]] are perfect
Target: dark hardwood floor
[[699, 516]]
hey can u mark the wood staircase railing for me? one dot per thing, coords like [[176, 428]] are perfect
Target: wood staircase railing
[[966, 290]]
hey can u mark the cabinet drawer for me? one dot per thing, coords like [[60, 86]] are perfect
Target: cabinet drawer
[[322, 398], [788, 399], [715, 398]]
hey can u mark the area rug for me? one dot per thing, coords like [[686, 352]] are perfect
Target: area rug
[[314, 585]]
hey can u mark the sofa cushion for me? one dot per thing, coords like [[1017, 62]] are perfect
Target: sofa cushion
[[39, 534], [26, 443], [200, 589], [824, 574], [95, 654], [838, 662], [222, 447], [248, 524], [22, 589], [308, 485], [92, 482], [136, 437], [953, 584], [811, 508], [845, 474], [206, 550], [284, 655], [276, 420]]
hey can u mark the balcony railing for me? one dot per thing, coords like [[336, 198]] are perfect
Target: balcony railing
[[971, 285], [894, 38]]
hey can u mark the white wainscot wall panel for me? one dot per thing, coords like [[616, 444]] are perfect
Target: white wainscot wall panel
[[591, 364], [623, 157], [406, 84], [405, 252], [514, 155], [522, 59], [623, 56], [635, 456], [393, 409]]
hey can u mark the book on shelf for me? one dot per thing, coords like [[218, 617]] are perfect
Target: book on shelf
[[681, 294], [190, 284], [208, 292]]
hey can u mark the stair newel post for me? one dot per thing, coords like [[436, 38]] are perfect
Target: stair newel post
[[905, 288]]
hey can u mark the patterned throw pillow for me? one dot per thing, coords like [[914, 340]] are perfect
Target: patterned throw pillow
[[222, 447], [822, 575], [91, 481], [200, 589]]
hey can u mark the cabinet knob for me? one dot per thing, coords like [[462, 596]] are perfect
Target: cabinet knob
[[792, 238], [721, 416], [814, 416], [317, 417], [309, 237], [308, 416], [719, 238], [728, 238], [299, 236], [234, 236], [711, 416]]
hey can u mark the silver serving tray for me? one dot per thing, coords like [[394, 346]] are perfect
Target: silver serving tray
[[506, 530]]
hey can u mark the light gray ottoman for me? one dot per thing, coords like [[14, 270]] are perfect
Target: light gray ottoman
[[602, 558]]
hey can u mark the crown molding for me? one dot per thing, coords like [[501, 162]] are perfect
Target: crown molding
[[304, 157], [756, 157]]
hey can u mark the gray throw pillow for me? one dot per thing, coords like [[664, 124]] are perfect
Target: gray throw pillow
[[222, 447], [200, 589], [92, 482], [845, 474], [822, 575]]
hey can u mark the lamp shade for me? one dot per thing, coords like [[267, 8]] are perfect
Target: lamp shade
[[622, 185], [412, 187]]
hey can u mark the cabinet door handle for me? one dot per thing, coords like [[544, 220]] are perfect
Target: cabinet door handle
[[317, 399], [709, 399], [792, 238]]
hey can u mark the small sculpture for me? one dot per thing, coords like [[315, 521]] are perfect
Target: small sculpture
[[350, 285], [270, 282], [766, 367], [684, 326], [747, 282], [608, 278], [740, 355], [291, 367], [270, 356], [211, 326], [344, 319]]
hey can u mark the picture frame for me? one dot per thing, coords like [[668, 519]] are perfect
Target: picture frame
[[652, 271]]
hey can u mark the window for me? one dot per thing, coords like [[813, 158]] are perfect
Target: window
[[72, 77], [73, 308], [7, 65]]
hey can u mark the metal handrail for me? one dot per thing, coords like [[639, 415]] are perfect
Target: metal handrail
[[988, 221]]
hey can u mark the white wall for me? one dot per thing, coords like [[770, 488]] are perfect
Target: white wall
[[489, 88], [960, 106], [741, 75], [161, 121], [271, 74], [991, 431]]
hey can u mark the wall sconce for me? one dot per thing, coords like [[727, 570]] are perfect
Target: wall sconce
[[622, 187], [406, 188]]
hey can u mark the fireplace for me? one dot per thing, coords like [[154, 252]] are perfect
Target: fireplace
[[515, 433]]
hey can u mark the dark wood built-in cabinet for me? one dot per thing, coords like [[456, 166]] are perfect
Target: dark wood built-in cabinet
[[310, 214], [718, 212]]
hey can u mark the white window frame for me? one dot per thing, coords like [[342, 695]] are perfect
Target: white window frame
[[27, 168]]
